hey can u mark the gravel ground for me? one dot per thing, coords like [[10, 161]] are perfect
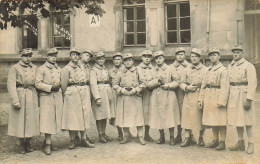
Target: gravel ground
[[133, 152]]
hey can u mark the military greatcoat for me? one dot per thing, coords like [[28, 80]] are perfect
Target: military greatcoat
[[191, 115], [51, 102], [243, 83], [23, 122]]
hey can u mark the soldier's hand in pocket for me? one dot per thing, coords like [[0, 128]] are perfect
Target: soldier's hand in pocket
[[124, 91], [200, 105], [17, 105], [98, 101], [248, 104], [55, 87]]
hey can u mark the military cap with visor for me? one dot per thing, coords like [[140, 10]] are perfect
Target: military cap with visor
[[100, 54], [117, 54], [180, 49], [158, 53], [89, 52], [26, 51], [52, 51], [127, 56], [196, 51], [147, 52], [238, 47], [214, 50], [75, 50]]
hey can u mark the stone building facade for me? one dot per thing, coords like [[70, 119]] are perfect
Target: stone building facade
[[134, 25]]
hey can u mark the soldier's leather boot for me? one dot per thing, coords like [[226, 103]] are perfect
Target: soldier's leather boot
[[192, 139], [221, 146], [28, 146], [172, 141], [47, 149], [213, 144], [54, 148], [125, 140], [89, 140], [77, 140], [178, 139], [161, 139], [240, 146], [141, 140], [85, 143], [250, 148], [102, 139], [72, 144], [22, 148], [148, 138], [107, 138], [201, 142], [186, 142]]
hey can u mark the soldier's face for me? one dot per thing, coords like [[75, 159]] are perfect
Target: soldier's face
[[159, 60], [117, 60], [52, 58], [237, 54], [74, 57], [128, 62], [214, 57], [147, 59], [27, 58], [195, 59], [180, 56], [85, 57], [101, 60]]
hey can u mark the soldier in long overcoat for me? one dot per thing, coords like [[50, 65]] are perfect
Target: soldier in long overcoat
[[48, 83], [77, 112], [102, 101], [180, 65], [24, 116], [213, 98], [145, 70], [241, 111], [164, 112], [191, 84], [129, 103]]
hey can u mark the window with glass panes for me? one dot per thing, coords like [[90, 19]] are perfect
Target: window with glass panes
[[29, 29], [61, 29], [134, 23], [177, 22]]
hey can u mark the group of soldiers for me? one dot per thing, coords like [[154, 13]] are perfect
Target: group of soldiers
[[182, 95]]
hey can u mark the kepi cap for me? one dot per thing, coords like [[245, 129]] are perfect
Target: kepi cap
[[52, 51], [196, 51], [117, 54], [89, 52], [237, 47], [158, 53], [128, 55], [214, 50], [26, 51], [100, 54], [180, 49], [75, 50], [147, 52]]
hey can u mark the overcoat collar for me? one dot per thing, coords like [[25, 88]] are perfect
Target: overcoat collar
[[74, 65], [214, 68], [177, 64], [163, 67], [99, 66], [239, 62], [132, 69], [24, 64], [150, 66], [51, 66], [199, 66]]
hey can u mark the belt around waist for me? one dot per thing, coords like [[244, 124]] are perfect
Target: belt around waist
[[78, 84], [24, 86], [212, 86], [238, 83], [103, 82]]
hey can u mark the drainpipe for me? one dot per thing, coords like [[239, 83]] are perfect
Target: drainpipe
[[208, 23]]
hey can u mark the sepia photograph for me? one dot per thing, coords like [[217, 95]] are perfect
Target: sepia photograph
[[130, 81]]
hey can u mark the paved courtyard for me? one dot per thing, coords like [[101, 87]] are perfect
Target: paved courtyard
[[133, 152]]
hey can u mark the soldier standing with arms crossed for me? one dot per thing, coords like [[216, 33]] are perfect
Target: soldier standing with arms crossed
[[48, 83], [241, 111], [77, 112], [145, 70], [213, 99], [191, 84], [24, 116]]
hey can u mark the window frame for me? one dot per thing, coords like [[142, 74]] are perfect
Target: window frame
[[53, 14], [135, 20], [178, 17]]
